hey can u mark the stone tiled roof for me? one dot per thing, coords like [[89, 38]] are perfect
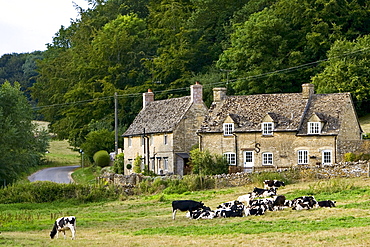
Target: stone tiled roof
[[290, 112], [160, 116], [329, 108]]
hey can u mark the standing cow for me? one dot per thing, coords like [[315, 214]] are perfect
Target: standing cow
[[62, 224], [186, 205]]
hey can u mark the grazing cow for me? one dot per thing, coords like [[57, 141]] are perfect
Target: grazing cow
[[327, 203], [304, 202], [255, 210], [273, 184], [62, 224], [264, 193], [279, 202], [186, 205]]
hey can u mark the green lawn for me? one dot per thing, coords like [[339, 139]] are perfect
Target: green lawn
[[147, 221]]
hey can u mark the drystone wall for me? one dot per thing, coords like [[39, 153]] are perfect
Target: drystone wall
[[345, 169]]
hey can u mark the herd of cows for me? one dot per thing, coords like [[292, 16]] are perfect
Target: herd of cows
[[254, 203]]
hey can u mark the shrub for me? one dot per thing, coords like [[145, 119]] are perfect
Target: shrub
[[119, 165], [101, 158], [137, 164], [204, 163], [348, 157]]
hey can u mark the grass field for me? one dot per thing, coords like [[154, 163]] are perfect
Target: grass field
[[147, 221]]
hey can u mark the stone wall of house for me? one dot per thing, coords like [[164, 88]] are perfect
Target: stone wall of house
[[353, 146], [345, 169]]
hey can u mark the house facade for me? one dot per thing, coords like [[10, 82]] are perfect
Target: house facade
[[164, 132], [270, 131]]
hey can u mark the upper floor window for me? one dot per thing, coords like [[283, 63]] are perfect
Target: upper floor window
[[302, 157], [129, 141], [231, 158], [267, 159], [267, 128], [314, 127], [228, 129], [165, 139]]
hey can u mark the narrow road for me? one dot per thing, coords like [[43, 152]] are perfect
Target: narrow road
[[54, 174]]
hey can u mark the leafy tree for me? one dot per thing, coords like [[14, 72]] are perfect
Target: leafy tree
[[21, 146], [137, 164], [98, 140], [119, 164], [347, 70], [204, 163]]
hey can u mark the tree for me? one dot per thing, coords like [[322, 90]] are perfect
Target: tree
[[102, 139], [21, 146], [347, 70]]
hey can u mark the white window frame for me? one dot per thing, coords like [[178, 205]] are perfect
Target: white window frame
[[302, 156], [327, 157], [314, 127], [231, 158], [228, 129], [267, 159], [267, 128]]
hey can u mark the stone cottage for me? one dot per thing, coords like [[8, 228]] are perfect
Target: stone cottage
[[164, 132], [270, 131]]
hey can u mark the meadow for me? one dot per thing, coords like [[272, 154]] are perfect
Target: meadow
[[147, 220]]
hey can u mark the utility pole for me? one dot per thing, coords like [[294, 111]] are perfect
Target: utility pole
[[115, 124]]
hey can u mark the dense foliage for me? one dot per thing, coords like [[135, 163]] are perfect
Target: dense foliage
[[250, 46], [21, 146]]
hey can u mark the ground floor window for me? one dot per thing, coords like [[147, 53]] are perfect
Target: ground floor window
[[267, 159], [302, 157], [327, 157], [231, 158], [165, 163]]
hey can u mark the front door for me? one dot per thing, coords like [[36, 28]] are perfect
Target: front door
[[248, 161]]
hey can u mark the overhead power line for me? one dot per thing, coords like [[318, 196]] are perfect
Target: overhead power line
[[210, 84]]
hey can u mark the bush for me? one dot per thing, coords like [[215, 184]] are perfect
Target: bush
[[204, 163], [348, 157], [119, 165], [137, 164], [102, 158], [45, 191]]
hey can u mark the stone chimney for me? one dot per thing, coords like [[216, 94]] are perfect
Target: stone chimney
[[219, 94], [196, 93], [148, 97], [308, 89]]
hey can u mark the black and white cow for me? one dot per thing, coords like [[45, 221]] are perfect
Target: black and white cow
[[246, 198], [304, 202], [267, 202], [203, 213], [185, 205], [230, 209], [264, 192], [279, 202], [273, 184], [62, 224], [255, 210], [327, 204]]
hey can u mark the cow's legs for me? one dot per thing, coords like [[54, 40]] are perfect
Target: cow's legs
[[174, 214], [73, 231], [64, 233]]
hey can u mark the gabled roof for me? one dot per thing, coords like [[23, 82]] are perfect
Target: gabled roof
[[329, 109], [160, 116], [290, 112]]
